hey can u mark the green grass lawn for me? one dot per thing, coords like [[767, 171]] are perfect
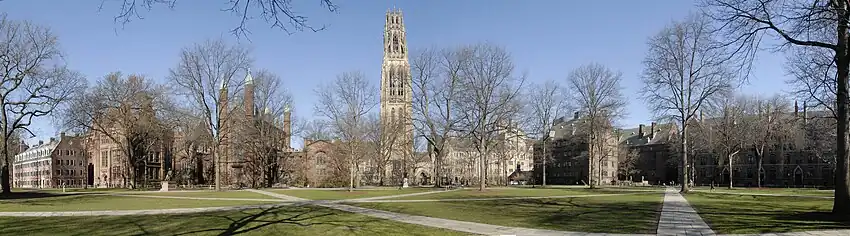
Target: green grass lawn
[[211, 194], [783, 191], [345, 194], [507, 192], [739, 214], [288, 220], [77, 190], [91, 202], [611, 214]]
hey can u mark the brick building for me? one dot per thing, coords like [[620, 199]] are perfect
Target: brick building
[[567, 153], [59, 162], [655, 149]]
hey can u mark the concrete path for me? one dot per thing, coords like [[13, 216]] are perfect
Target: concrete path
[[400, 195], [679, 218], [806, 233], [277, 195]]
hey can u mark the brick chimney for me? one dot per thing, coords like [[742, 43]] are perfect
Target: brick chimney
[[640, 131], [652, 131], [287, 127], [249, 95], [575, 115]]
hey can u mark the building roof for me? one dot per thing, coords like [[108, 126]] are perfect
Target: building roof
[[661, 134]]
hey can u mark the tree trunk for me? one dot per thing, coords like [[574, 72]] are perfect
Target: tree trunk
[[760, 153], [4, 171], [841, 202], [685, 166], [482, 176], [730, 168], [545, 156], [351, 172]]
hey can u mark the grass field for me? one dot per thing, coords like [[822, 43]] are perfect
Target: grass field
[[345, 194], [210, 194], [610, 214], [781, 191], [508, 192], [93, 202], [747, 214], [289, 220]]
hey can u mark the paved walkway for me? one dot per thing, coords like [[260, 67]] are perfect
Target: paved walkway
[[277, 195], [370, 199], [679, 218]]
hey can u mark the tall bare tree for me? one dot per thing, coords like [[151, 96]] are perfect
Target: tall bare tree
[[34, 79], [263, 138], [384, 138], [207, 76], [770, 122], [345, 103], [279, 14], [821, 24], [546, 102], [317, 130], [730, 127], [129, 111], [685, 70], [490, 91], [596, 92], [436, 75]]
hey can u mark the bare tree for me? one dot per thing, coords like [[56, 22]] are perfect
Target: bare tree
[[317, 130], [34, 79], [488, 99], [383, 138], [436, 88], [207, 76], [130, 111], [730, 128], [546, 102], [345, 103], [279, 14], [768, 124], [265, 137], [596, 92], [821, 24], [628, 159], [686, 69]]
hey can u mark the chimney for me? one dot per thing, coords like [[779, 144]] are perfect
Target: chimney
[[652, 131], [701, 119], [575, 115], [62, 135], [287, 127], [796, 109], [640, 131], [52, 139], [40, 142]]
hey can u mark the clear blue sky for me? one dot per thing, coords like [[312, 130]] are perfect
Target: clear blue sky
[[547, 39]]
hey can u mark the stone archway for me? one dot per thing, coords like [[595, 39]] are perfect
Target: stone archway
[[798, 176]]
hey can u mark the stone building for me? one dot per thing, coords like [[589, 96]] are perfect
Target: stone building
[[59, 162], [511, 153], [793, 161], [255, 144], [655, 149], [396, 103], [567, 155], [109, 165]]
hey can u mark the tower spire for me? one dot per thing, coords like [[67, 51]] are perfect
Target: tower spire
[[248, 78]]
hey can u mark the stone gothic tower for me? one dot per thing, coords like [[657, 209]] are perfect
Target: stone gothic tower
[[396, 92]]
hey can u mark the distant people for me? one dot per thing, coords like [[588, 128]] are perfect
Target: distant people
[[712, 186]]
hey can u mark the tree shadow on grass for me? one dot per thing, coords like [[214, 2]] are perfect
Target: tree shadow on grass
[[34, 195], [278, 220], [763, 214]]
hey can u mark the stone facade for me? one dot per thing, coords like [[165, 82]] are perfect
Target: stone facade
[[567, 155], [396, 105], [59, 162], [654, 146]]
